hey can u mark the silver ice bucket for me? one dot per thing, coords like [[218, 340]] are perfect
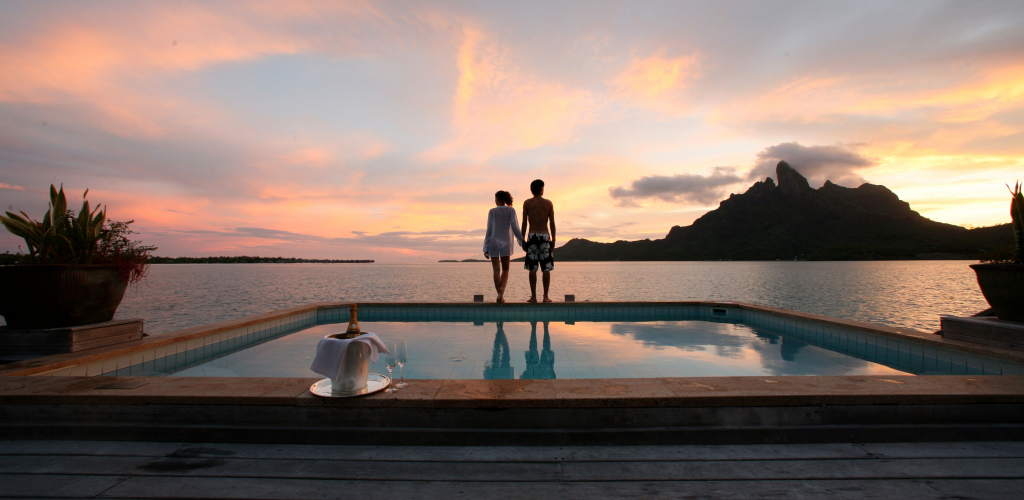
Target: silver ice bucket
[[355, 368]]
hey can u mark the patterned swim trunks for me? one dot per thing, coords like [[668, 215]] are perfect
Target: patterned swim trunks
[[538, 253]]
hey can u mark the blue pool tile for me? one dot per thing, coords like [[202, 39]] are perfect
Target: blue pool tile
[[974, 363], [630, 346], [957, 358], [991, 367], [1008, 368]]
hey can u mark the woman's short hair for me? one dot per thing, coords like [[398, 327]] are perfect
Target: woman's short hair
[[504, 196]]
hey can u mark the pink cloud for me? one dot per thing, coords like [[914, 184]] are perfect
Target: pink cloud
[[657, 81], [499, 108]]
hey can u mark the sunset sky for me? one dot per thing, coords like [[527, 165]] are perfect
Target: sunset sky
[[382, 130]]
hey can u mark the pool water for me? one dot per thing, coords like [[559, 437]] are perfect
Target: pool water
[[559, 349]]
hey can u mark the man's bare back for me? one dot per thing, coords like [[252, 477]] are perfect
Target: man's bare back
[[537, 212]]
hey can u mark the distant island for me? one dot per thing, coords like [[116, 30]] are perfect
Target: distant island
[[250, 260], [465, 260], [792, 221]]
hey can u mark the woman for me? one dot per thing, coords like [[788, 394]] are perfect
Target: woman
[[502, 224]]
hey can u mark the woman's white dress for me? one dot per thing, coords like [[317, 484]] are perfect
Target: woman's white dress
[[502, 225]]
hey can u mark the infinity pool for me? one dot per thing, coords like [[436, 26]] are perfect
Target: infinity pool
[[545, 350], [583, 342]]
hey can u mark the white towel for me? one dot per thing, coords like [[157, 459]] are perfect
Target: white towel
[[330, 353]]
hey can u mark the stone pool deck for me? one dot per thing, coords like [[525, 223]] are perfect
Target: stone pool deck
[[908, 471], [833, 332], [59, 396], [712, 410]]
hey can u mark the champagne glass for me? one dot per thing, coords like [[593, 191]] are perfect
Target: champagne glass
[[403, 356], [390, 360]]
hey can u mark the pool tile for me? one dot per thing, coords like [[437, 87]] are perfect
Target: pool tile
[[108, 365], [991, 367], [1008, 368], [596, 359], [974, 362], [120, 362]]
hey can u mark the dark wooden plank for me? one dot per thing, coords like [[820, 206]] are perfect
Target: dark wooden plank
[[525, 453], [311, 469], [520, 453], [105, 341], [105, 448], [16, 485], [518, 471], [978, 488], [912, 468], [1013, 449], [86, 334], [93, 335], [165, 487]]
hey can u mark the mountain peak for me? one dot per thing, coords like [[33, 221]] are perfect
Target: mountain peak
[[790, 181], [791, 220]]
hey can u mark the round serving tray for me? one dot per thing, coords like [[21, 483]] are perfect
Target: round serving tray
[[374, 382]]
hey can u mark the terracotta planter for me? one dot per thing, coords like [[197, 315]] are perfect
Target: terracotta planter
[[59, 295], [1003, 287]]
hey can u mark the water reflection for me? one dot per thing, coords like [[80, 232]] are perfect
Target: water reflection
[[500, 365], [758, 348], [790, 346], [444, 350], [542, 365]]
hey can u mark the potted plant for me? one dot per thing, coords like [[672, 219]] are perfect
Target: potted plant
[[1002, 279], [76, 269]]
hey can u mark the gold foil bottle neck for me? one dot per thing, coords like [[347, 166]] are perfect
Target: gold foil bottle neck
[[353, 322]]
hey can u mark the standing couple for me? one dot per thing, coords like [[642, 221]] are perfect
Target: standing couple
[[502, 225]]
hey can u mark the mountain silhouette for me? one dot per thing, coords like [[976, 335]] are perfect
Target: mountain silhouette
[[792, 220]]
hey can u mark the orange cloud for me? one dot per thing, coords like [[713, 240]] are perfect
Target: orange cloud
[[102, 59], [652, 79], [499, 109], [832, 98]]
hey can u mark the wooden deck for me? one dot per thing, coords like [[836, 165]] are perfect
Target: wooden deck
[[104, 469]]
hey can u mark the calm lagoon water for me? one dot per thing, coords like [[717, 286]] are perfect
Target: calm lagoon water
[[909, 294]]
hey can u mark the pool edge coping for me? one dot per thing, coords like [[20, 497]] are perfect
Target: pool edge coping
[[663, 392], [45, 364]]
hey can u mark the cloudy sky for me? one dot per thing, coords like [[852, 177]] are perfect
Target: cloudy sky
[[381, 130]]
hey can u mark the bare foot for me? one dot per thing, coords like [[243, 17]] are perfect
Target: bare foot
[[546, 300], [532, 301]]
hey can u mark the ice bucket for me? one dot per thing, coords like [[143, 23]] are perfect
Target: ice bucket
[[355, 368]]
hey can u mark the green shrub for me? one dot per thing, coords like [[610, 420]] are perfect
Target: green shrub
[[88, 238]]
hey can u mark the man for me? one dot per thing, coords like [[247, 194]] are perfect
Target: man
[[538, 212]]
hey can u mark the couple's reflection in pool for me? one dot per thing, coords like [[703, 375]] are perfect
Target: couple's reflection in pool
[[539, 365]]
